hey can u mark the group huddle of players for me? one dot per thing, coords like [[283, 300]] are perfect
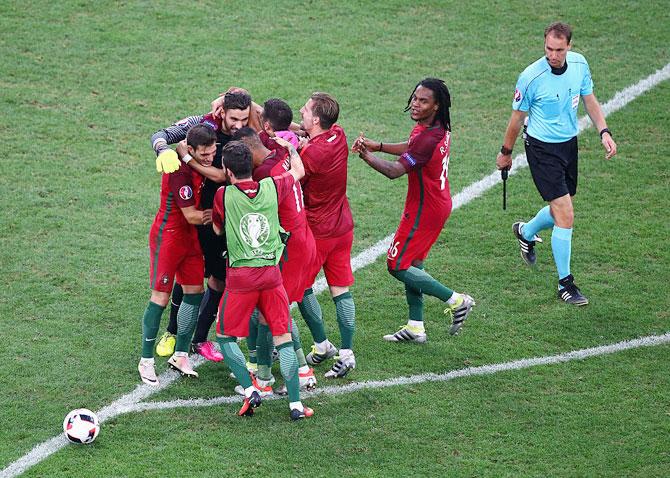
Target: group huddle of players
[[236, 186], [257, 204]]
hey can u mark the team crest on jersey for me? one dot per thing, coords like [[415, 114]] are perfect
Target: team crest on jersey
[[517, 95], [185, 192], [254, 229]]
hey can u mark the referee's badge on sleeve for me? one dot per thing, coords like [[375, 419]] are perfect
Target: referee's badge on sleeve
[[517, 95]]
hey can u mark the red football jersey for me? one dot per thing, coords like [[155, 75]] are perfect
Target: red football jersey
[[325, 184], [427, 164], [292, 215], [179, 189]]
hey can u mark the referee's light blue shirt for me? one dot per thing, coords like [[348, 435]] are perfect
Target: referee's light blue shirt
[[552, 100]]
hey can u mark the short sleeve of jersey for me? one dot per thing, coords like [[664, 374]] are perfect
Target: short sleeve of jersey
[[212, 122], [284, 184], [521, 100], [181, 187], [587, 81], [217, 210], [419, 152]]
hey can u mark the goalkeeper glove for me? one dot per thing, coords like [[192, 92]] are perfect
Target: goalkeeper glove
[[167, 162]]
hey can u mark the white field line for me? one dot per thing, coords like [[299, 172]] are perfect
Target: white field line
[[582, 354], [365, 258], [127, 404]]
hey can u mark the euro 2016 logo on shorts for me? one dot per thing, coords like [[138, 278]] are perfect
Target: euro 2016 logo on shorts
[[185, 192], [254, 229]]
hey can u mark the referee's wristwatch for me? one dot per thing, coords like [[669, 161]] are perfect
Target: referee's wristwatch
[[505, 151], [603, 131]]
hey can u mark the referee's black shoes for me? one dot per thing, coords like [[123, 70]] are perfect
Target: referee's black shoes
[[527, 248], [570, 293]]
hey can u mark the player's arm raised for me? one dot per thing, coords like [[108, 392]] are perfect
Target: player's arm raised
[[166, 159], [297, 168]]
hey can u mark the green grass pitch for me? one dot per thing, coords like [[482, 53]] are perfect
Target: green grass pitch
[[83, 86]]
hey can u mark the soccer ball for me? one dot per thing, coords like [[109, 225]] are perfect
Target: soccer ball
[[81, 426]]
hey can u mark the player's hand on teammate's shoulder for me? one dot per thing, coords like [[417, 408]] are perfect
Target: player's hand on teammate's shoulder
[[297, 169], [284, 144], [167, 161], [182, 148]]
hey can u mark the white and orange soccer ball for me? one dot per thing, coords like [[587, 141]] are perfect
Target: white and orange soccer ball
[[81, 426]]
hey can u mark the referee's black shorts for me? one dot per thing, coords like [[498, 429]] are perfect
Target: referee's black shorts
[[553, 167], [214, 249]]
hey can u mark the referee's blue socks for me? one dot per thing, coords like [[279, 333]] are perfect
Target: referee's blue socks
[[561, 246], [542, 220]]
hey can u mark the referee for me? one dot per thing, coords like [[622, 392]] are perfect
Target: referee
[[548, 92]]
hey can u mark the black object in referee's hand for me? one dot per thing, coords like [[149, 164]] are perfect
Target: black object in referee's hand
[[503, 174]]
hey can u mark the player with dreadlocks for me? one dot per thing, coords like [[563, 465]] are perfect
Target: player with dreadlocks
[[424, 157]]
